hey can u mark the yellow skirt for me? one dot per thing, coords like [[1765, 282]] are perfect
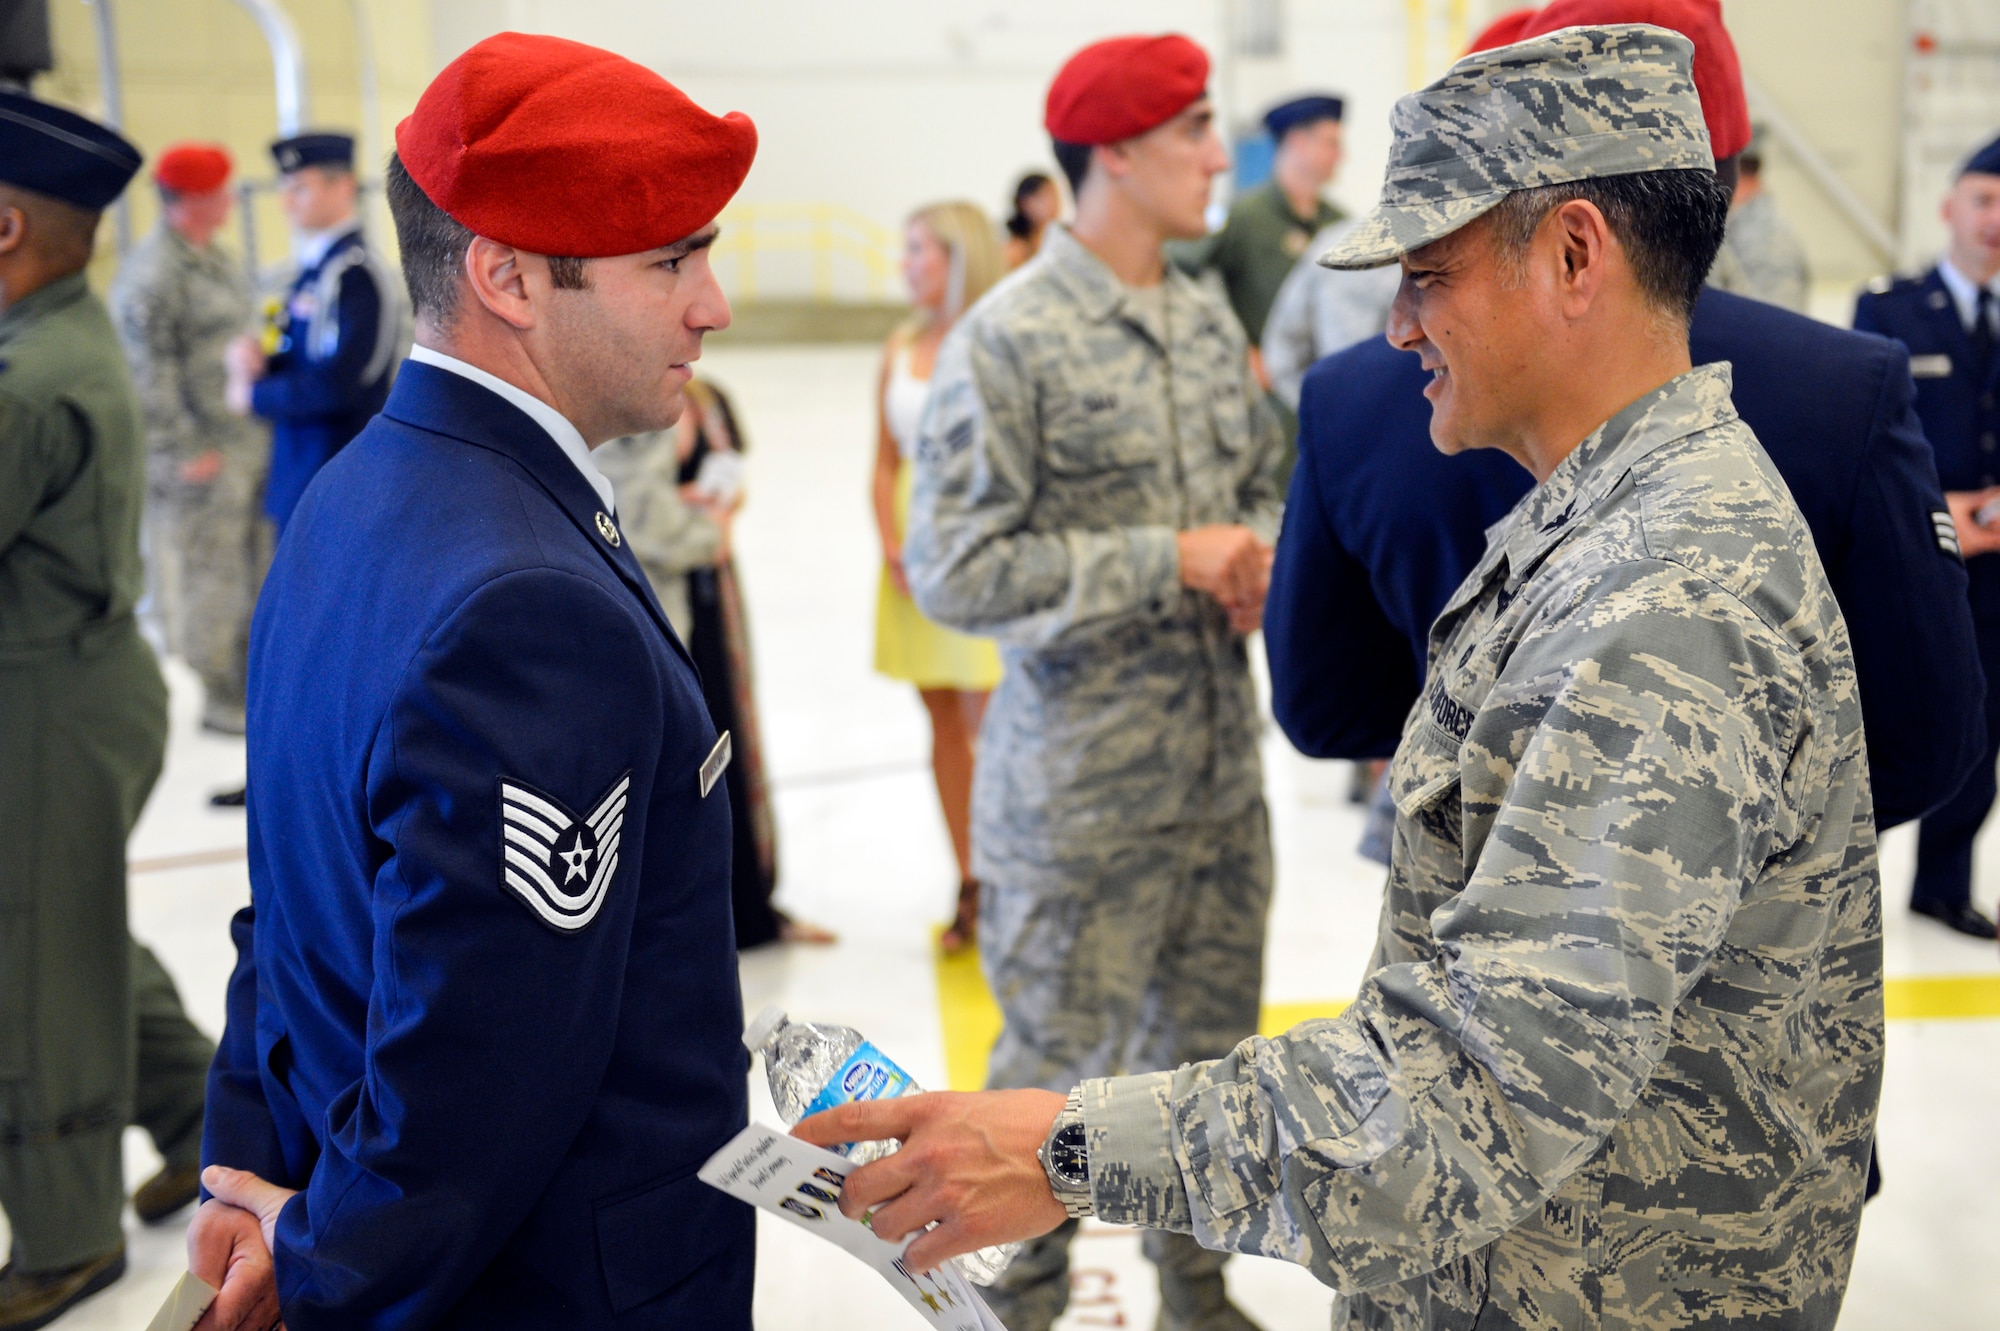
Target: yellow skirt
[[911, 648]]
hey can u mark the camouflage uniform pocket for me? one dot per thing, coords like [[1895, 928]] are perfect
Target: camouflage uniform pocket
[[1230, 1145]]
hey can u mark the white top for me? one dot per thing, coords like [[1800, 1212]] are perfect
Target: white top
[[1965, 293], [903, 404], [567, 438]]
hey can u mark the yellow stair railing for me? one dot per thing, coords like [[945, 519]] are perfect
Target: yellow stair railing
[[830, 233]]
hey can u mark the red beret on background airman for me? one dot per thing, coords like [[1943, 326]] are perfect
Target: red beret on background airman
[[193, 168]]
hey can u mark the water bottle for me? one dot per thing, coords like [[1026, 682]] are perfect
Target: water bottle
[[812, 1067]]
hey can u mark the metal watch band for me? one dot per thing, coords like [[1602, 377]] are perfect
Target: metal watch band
[[1075, 1200]]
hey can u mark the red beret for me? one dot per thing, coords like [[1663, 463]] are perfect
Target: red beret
[[1718, 75], [1502, 31], [565, 149], [1113, 90], [193, 168]]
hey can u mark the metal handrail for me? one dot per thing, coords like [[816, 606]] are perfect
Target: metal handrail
[[827, 231]]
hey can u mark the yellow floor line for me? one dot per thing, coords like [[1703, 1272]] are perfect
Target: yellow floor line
[[972, 1020]]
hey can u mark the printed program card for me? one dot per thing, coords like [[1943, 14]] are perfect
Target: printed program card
[[802, 1183]]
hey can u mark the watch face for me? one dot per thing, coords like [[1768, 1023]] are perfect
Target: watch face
[[1069, 1156]]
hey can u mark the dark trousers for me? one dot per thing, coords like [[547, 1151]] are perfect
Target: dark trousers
[[1944, 838]]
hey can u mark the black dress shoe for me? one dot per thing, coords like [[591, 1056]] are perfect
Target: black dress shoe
[[228, 799], [31, 1301], [1959, 915]]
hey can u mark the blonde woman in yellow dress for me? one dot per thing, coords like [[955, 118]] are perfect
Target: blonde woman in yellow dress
[[951, 255]]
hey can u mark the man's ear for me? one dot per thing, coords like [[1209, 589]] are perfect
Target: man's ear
[[1584, 238], [13, 229], [494, 272]]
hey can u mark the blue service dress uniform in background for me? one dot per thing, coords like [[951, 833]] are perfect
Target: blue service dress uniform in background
[[1958, 399], [485, 1012], [338, 339], [1380, 529]]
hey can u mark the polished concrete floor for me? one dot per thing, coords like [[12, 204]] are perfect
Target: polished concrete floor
[[863, 851]]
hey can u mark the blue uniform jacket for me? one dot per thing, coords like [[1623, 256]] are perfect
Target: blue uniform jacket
[[1380, 528], [330, 373], [1961, 416], [485, 1010]]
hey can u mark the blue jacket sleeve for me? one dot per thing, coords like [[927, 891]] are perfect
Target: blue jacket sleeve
[[488, 1030], [1909, 616], [238, 1130], [1342, 678], [302, 388]]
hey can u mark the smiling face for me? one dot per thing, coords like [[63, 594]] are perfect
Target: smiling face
[[1478, 331], [1972, 214], [1167, 170], [625, 344]]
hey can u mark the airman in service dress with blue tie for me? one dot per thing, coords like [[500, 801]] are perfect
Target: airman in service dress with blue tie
[[1950, 320], [484, 1024], [338, 334], [1616, 1060], [92, 1035]]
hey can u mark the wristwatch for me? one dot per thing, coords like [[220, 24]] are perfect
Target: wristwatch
[[1065, 1157]]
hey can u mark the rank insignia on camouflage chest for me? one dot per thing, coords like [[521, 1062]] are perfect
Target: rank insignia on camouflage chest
[[558, 864]]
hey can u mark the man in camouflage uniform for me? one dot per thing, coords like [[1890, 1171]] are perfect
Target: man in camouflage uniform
[[1097, 487], [178, 300], [1761, 255], [1616, 1060]]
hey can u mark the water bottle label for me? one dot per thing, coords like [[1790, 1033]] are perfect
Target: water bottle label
[[868, 1074]]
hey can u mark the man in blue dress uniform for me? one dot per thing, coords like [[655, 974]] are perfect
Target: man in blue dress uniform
[[336, 337], [484, 1024], [1948, 320], [1380, 527]]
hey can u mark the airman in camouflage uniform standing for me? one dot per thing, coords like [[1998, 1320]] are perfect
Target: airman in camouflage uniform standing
[[1617, 1057], [1080, 430], [179, 299]]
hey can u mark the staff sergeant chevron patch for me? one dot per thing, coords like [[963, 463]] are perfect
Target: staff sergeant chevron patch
[[545, 849]]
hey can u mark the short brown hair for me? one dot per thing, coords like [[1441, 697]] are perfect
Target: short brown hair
[[433, 245]]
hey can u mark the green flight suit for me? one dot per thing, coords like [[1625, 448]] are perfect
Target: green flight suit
[[92, 1035], [1254, 252]]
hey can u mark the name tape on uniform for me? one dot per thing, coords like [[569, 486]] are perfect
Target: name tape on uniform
[[716, 764]]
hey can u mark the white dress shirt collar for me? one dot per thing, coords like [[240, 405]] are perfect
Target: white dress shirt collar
[[1965, 293], [559, 429]]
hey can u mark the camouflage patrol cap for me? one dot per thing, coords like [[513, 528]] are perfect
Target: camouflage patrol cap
[[1569, 105]]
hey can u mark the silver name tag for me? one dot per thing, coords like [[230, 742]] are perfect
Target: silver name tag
[[716, 764], [1930, 367]]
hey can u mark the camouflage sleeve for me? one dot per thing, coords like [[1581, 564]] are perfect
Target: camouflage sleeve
[[149, 325], [668, 535], [973, 562], [1288, 332], [1262, 494], [1640, 757]]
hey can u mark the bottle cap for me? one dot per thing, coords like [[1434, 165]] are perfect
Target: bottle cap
[[761, 1028]]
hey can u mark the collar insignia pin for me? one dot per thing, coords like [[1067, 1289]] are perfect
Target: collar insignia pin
[[606, 530]]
